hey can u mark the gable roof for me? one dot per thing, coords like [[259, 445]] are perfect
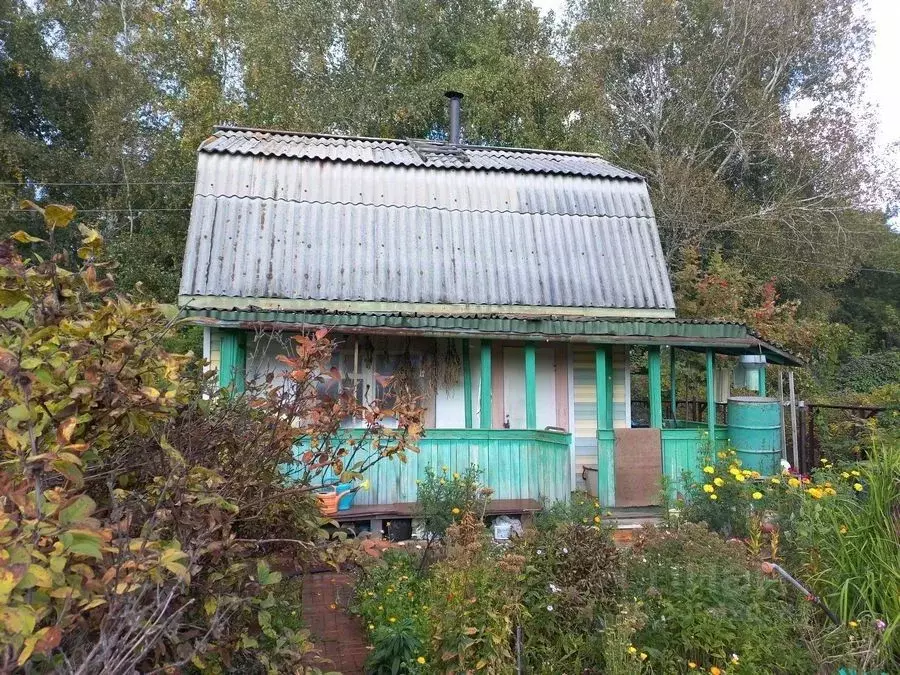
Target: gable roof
[[295, 221]]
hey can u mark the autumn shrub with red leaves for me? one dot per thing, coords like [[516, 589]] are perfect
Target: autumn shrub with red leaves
[[138, 505]]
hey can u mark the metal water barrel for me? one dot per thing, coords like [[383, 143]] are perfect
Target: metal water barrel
[[754, 428]]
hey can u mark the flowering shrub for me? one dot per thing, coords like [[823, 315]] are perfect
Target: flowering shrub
[[580, 509], [702, 606], [444, 498], [571, 577], [391, 598]]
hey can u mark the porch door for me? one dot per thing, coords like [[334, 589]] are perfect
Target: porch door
[[638, 466]]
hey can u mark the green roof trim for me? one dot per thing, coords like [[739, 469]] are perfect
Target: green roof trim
[[722, 336]]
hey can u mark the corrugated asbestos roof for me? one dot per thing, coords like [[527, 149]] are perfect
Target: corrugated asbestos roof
[[409, 153], [725, 337], [298, 216]]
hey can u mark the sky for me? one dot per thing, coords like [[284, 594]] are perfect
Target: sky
[[884, 88]]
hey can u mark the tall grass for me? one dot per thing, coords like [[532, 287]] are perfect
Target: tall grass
[[858, 565]]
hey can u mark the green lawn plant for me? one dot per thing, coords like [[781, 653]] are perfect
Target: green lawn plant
[[444, 497]]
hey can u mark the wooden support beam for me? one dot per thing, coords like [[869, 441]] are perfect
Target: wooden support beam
[[654, 378], [711, 400], [467, 381], [486, 401], [530, 386], [604, 396], [672, 396], [761, 390], [233, 361]]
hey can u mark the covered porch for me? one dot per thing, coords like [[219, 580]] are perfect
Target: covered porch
[[537, 401]]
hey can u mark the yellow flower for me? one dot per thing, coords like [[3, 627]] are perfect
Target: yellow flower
[[596, 505], [830, 491], [854, 473], [421, 660], [755, 475], [793, 482], [815, 493], [721, 455], [455, 476], [708, 469], [643, 656], [747, 473], [444, 469], [692, 665], [393, 619], [333, 606], [371, 626], [709, 488], [776, 481], [719, 482], [632, 649], [844, 474], [365, 484], [853, 624], [455, 511], [714, 497], [597, 519], [757, 495], [739, 477], [858, 487], [442, 481], [715, 671], [843, 529]]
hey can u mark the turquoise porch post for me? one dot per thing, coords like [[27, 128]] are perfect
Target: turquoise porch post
[[654, 377], [485, 384], [467, 382], [603, 372], [711, 399], [530, 386], [606, 463], [761, 389], [672, 396], [233, 361]]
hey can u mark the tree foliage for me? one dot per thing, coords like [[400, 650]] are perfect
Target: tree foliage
[[137, 513], [749, 125]]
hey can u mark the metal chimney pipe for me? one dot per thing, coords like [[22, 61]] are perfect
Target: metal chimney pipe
[[455, 105]]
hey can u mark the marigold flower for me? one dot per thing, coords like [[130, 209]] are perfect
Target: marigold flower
[[739, 477], [709, 488], [793, 482], [852, 624], [854, 473], [421, 660], [776, 481], [333, 606], [715, 671], [455, 510], [815, 493], [596, 519], [371, 626], [858, 487], [714, 497], [692, 665], [643, 656], [455, 476], [393, 619], [757, 495], [719, 482], [444, 469], [708, 469], [632, 649], [843, 529]]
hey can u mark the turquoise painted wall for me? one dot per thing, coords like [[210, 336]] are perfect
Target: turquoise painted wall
[[684, 448], [517, 464]]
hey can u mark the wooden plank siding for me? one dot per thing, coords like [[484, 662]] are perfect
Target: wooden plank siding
[[516, 464], [684, 448]]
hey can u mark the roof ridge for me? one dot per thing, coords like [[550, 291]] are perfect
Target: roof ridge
[[409, 142]]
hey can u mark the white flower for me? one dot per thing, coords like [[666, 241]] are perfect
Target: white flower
[[785, 465], [539, 552], [549, 608], [554, 588], [418, 547], [565, 550], [734, 658]]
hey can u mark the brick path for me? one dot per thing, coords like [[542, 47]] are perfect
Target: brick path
[[339, 635]]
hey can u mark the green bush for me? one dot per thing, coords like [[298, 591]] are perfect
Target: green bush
[[391, 598], [702, 605], [580, 509], [444, 498], [571, 577]]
